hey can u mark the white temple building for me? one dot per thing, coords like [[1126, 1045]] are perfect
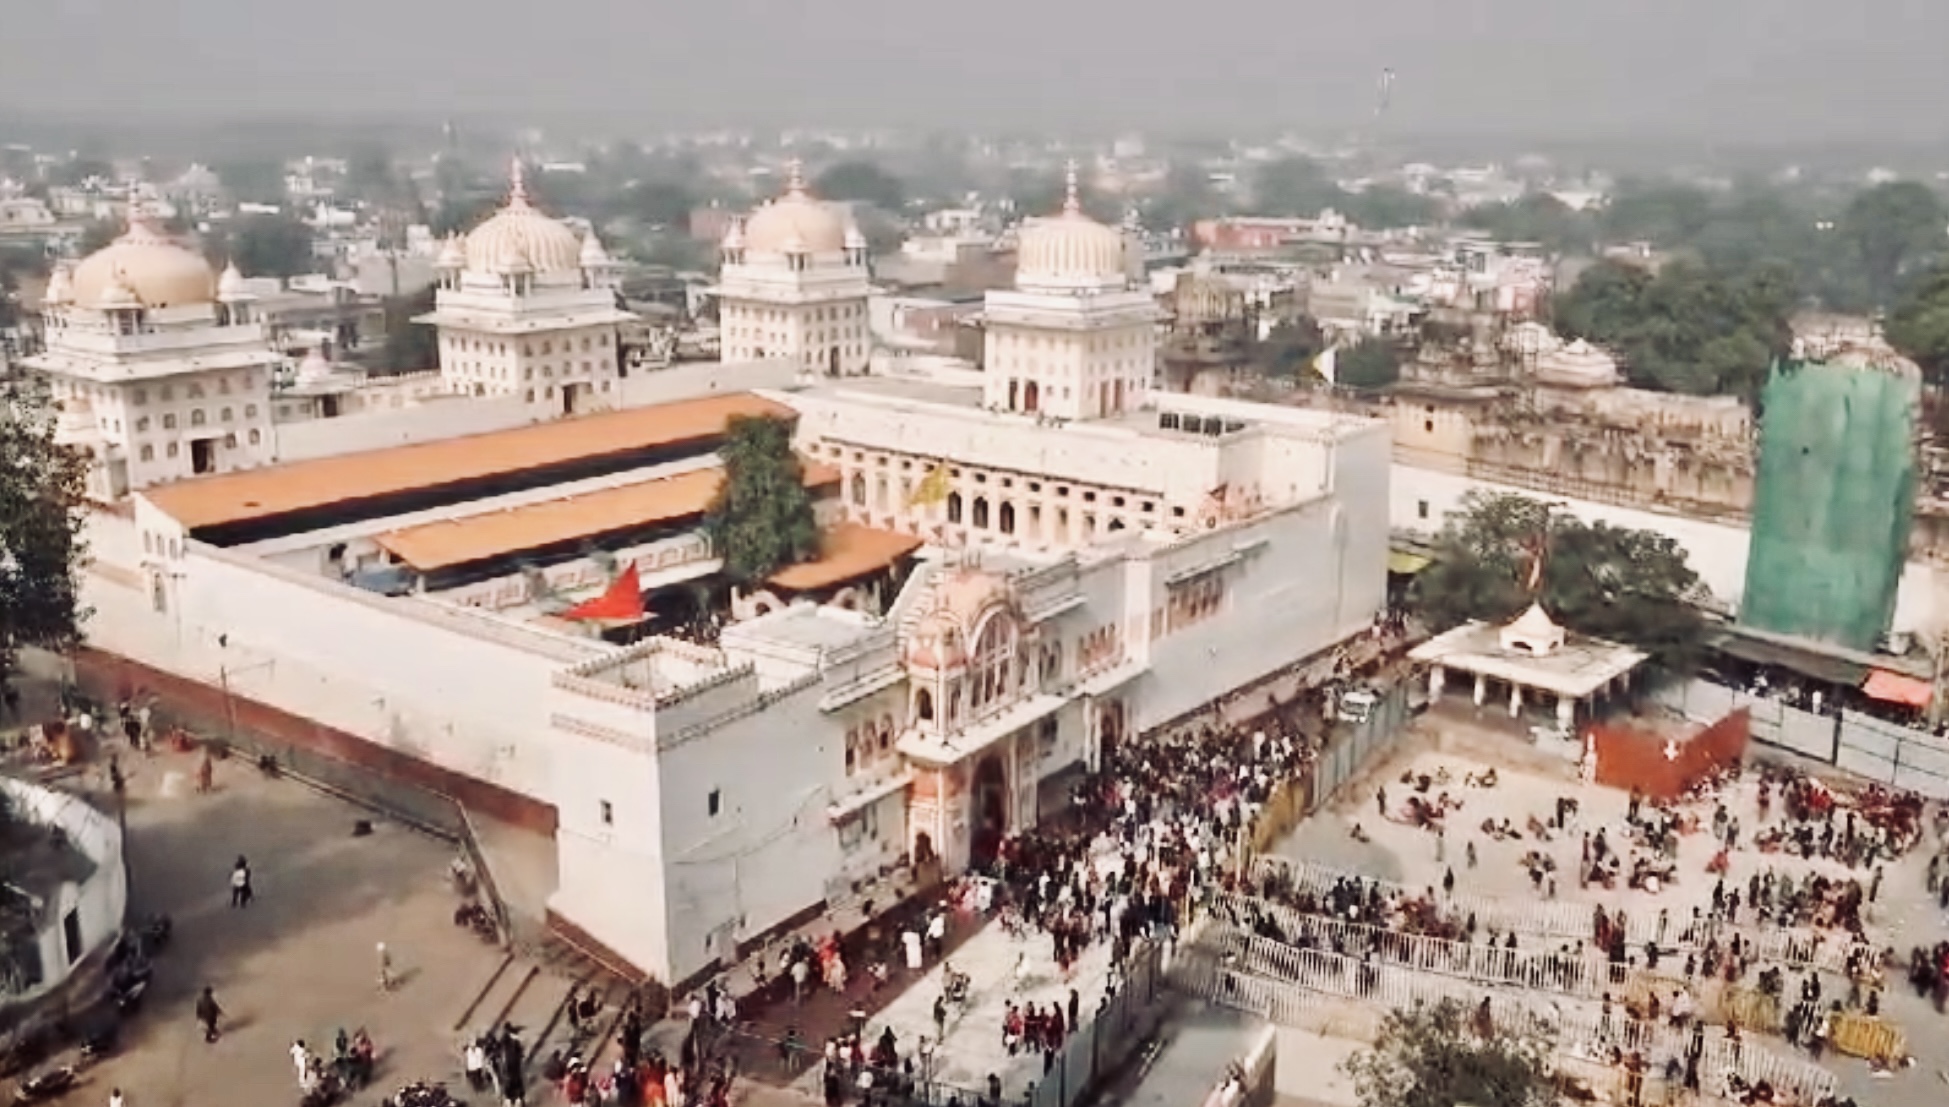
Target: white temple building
[[795, 285], [1019, 568], [525, 309], [160, 367]]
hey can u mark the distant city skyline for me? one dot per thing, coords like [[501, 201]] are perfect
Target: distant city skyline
[[1734, 70]]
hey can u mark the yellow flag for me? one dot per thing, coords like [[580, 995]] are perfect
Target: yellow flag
[[932, 489]]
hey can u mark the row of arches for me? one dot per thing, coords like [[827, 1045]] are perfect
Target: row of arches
[[1005, 519]]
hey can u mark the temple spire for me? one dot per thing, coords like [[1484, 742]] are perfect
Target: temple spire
[[795, 177], [1072, 201], [517, 184]]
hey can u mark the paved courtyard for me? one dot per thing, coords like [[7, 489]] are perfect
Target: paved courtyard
[[298, 963], [973, 1045], [1904, 916]]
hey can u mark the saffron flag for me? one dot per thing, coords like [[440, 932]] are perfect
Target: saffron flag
[[622, 601], [932, 489]]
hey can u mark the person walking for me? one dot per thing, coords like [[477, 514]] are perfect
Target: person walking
[[207, 1013], [387, 981], [240, 889]]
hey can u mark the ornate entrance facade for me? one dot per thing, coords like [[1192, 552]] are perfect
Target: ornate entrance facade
[[976, 707]]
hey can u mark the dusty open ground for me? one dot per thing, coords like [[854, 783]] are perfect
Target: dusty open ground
[[1903, 917]]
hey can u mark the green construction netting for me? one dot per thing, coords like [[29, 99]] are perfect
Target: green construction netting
[[1833, 503]]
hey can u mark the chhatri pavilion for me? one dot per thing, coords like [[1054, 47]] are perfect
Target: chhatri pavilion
[[1534, 657]]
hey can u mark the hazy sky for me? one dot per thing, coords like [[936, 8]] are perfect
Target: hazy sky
[[1758, 69]]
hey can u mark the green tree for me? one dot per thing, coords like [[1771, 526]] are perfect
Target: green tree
[[42, 506], [657, 203], [267, 246], [1891, 227], [461, 213], [409, 346], [1368, 363], [1439, 1056], [761, 518], [1918, 325], [1630, 586], [1667, 215], [1288, 349], [862, 181], [1535, 217], [1297, 187], [1185, 196], [1688, 328], [1384, 207], [252, 182]]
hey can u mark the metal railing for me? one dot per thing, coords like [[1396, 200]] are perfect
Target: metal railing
[[1586, 975], [1577, 1031], [1562, 920]]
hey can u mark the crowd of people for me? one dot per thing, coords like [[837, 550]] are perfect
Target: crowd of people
[[1142, 841]]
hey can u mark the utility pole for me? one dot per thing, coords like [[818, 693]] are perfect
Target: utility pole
[[1935, 684]]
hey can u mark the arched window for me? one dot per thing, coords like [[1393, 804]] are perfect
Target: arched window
[[981, 512], [859, 490], [1006, 518], [993, 668], [852, 751], [886, 733], [954, 507], [924, 705]]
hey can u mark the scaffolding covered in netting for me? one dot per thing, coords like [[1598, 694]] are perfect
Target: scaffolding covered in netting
[[1834, 499]]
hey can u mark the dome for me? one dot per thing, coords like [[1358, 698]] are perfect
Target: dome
[[1533, 633], [116, 296], [937, 642], [60, 288], [1577, 365], [453, 254], [593, 255], [968, 594], [231, 285], [151, 270], [795, 223], [314, 368], [520, 239], [1069, 251]]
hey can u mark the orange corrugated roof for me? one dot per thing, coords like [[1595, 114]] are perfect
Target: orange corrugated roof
[[846, 551], [301, 485], [536, 526]]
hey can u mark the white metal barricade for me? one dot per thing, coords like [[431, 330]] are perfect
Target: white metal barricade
[[1588, 975]]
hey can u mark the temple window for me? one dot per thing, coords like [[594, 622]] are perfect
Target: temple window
[[994, 660]]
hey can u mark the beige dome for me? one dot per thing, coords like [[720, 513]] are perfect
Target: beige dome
[[520, 239], [795, 223], [152, 270], [1069, 251]]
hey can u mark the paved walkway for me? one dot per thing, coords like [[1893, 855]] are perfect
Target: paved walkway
[[1002, 970]]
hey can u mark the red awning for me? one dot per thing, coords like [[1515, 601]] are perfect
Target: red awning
[[1895, 688]]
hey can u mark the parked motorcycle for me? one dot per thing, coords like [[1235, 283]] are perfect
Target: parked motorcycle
[[47, 1085], [475, 917], [420, 1093]]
